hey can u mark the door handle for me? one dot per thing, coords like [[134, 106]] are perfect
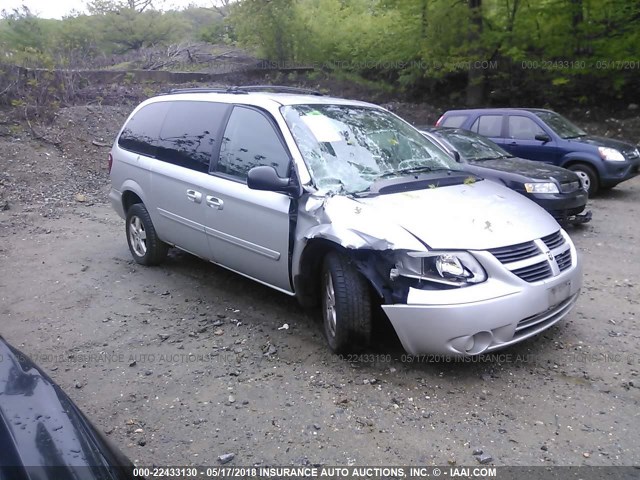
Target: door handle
[[214, 202], [194, 196]]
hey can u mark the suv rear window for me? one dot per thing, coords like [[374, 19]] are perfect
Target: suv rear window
[[454, 121], [488, 125], [140, 135], [190, 134]]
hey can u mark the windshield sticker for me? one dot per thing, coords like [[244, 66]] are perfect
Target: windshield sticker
[[322, 128]]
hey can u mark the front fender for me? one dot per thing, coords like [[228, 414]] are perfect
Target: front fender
[[582, 157]]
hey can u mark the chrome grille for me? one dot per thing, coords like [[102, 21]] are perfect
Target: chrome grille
[[631, 153], [535, 272], [514, 253], [570, 187], [564, 260], [554, 240]]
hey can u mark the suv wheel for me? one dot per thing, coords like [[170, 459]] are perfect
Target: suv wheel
[[144, 244], [588, 177], [346, 304]]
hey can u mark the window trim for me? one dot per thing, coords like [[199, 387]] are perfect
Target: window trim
[[213, 164]]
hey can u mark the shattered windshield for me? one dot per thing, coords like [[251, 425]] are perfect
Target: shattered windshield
[[347, 148]]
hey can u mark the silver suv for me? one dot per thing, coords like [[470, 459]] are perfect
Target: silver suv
[[342, 204]]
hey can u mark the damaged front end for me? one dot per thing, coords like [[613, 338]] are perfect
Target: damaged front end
[[439, 301], [391, 258]]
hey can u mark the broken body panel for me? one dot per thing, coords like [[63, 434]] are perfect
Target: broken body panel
[[498, 312]]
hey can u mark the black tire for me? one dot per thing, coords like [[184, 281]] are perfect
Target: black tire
[[587, 175], [145, 246], [347, 318]]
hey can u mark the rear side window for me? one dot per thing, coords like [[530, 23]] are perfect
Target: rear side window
[[523, 128], [140, 134], [454, 121], [190, 134], [250, 140], [488, 125]]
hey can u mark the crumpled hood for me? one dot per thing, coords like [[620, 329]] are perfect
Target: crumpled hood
[[477, 216]]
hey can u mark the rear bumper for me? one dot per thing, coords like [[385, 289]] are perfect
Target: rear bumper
[[115, 197], [495, 314]]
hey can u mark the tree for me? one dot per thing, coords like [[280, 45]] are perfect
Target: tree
[[475, 79], [128, 29], [268, 25], [101, 7]]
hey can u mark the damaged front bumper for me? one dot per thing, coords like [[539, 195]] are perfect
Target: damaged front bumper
[[501, 311]]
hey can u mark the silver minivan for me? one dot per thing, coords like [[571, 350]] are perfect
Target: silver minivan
[[347, 207]]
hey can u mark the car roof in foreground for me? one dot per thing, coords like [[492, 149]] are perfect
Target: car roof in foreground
[[259, 98]]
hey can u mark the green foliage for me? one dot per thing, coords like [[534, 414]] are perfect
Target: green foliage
[[493, 51], [508, 50], [128, 29]]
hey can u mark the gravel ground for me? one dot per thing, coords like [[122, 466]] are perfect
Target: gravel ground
[[182, 363]]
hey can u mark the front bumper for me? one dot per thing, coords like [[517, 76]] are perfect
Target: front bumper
[[562, 206], [617, 172], [502, 311]]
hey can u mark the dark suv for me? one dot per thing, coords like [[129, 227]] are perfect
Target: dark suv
[[548, 137]]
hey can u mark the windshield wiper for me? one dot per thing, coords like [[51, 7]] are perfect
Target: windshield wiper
[[575, 136], [408, 171], [365, 192], [491, 158]]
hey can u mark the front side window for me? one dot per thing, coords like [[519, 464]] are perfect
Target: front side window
[[140, 134], [488, 125], [523, 128], [190, 133], [347, 148], [250, 140]]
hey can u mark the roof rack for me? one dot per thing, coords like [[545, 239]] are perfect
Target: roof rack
[[243, 90], [278, 89], [204, 90]]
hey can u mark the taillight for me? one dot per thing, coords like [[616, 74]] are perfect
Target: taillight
[[110, 162], [439, 120]]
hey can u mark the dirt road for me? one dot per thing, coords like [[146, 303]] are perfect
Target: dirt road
[[182, 363]]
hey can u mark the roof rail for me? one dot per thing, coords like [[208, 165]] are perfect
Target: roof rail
[[242, 90], [204, 90], [278, 89]]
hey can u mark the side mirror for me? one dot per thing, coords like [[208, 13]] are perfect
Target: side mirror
[[266, 178], [456, 156], [543, 137]]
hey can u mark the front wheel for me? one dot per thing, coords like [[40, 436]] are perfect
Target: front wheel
[[144, 244], [346, 304], [588, 177]]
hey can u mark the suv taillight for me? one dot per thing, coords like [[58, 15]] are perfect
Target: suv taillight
[[439, 120], [110, 162]]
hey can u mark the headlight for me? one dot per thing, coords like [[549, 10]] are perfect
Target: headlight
[[448, 268], [547, 187], [611, 154]]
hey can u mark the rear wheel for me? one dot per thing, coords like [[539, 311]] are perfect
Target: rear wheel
[[144, 244], [588, 177], [346, 304]]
